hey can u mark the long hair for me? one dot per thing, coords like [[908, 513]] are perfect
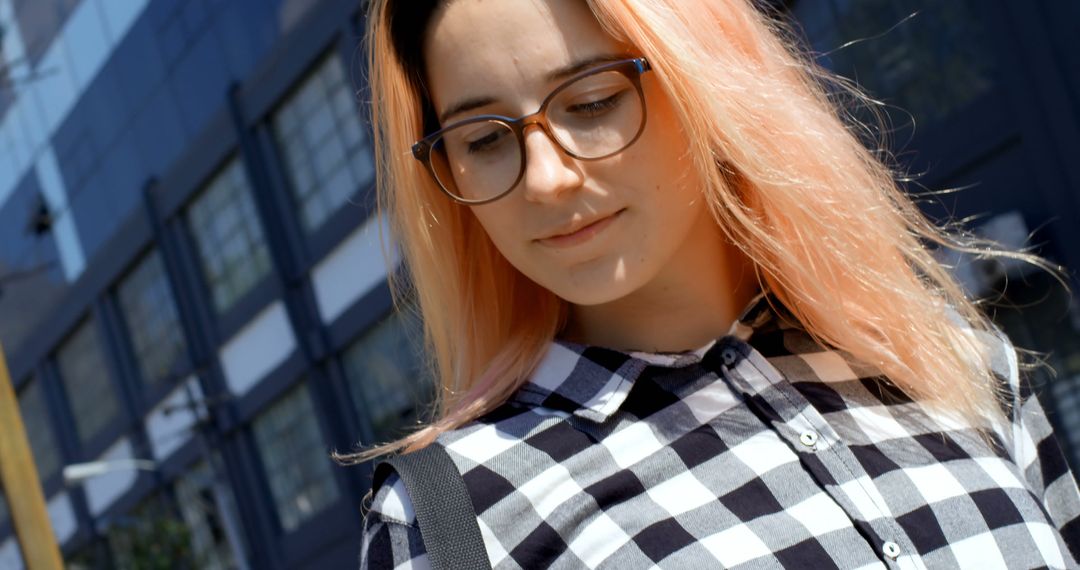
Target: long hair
[[790, 178]]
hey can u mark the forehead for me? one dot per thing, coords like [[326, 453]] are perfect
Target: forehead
[[505, 48]]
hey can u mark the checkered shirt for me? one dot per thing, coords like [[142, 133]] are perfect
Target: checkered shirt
[[761, 450]]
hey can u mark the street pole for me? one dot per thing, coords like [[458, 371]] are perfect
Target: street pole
[[218, 485], [20, 483]]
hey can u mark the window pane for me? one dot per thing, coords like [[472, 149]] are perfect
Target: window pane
[[324, 145], [201, 510], [390, 385], [295, 457], [35, 417], [150, 536], [86, 381], [229, 237], [146, 301]]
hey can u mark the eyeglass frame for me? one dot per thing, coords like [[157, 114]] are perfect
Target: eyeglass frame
[[421, 149]]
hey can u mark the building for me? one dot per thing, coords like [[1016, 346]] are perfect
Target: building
[[191, 270], [192, 262]]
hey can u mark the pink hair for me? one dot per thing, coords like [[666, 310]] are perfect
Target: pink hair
[[829, 230]]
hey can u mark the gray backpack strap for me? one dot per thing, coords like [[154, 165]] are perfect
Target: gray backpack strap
[[443, 507]]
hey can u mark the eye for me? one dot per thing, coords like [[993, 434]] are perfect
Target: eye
[[598, 107], [487, 141]]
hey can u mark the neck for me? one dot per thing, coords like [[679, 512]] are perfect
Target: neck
[[692, 302]]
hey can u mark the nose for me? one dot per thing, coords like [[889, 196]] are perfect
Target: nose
[[549, 171]]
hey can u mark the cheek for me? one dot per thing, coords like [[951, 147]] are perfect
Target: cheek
[[503, 231], [660, 163]]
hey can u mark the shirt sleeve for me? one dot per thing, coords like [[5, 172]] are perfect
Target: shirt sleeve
[[1036, 450], [391, 537]]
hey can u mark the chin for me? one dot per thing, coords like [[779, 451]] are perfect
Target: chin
[[595, 295], [600, 281]]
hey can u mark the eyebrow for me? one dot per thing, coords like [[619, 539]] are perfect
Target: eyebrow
[[555, 75]]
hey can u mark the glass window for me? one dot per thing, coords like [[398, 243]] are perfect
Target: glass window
[[86, 380], [35, 415], [929, 65], [202, 511], [389, 382], [229, 237], [323, 143], [146, 302], [150, 536], [295, 457]]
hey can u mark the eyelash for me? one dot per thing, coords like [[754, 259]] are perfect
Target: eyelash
[[601, 105], [477, 145]]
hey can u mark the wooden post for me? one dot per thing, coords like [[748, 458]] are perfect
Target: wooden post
[[20, 483]]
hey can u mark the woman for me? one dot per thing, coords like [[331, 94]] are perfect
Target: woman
[[681, 315]]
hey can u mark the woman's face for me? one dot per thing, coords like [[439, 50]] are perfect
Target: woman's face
[[633, 211]]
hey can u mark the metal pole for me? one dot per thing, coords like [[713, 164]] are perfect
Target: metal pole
[[220, 488], [19, 480]]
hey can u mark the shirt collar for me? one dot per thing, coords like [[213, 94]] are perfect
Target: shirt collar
[[592, 382]]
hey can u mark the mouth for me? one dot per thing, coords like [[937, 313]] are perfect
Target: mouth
[[581, 234]]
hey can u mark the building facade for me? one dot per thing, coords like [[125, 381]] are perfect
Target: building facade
[[192, 271], [194, 274]]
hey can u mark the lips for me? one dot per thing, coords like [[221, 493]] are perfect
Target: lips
[[579, 232]]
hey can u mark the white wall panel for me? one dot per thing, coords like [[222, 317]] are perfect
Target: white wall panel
[[10, 555], [62, 517], [355, 266], [258, 348], [103, 490]]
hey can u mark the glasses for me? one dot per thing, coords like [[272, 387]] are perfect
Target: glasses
[[593, 115]]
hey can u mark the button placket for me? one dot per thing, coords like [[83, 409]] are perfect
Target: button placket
[[759, 380]]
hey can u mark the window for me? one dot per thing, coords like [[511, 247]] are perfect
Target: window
[[35, 415], [202, 513], [389, 383], [323, 143], [150, 536], [86, 381], [295, 458], [229, 237], [146, 302], [929, 65]]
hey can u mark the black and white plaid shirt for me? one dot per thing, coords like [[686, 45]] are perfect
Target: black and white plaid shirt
[[760, 450]]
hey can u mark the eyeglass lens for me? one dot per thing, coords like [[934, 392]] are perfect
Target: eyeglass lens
[[593, 117]]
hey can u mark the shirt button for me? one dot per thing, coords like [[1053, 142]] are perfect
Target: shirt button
[[808, 438], [891, 549], [730, 355]]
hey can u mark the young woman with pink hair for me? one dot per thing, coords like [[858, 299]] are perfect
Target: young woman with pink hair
[[681, 313]]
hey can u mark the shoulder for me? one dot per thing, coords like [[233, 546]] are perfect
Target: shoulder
[[466, 445], [391, 502], [506, 434], [1003, 361], [391, 537]]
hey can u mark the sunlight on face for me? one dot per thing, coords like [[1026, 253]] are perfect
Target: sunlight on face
[[633, 212]]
